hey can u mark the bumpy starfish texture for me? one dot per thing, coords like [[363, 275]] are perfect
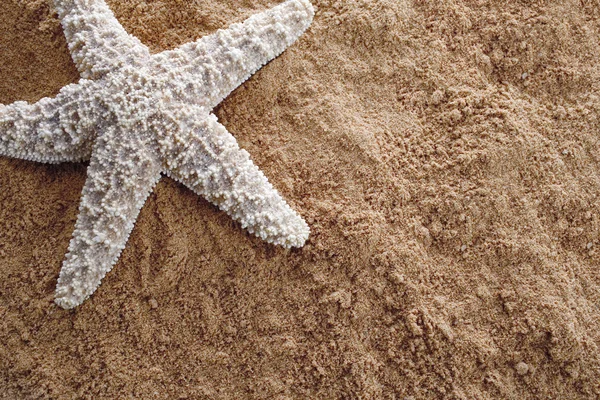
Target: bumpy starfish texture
[[135, 115]]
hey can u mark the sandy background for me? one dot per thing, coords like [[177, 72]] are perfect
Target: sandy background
[[447, 158]]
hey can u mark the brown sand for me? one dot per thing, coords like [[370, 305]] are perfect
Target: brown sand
[[447, 157]]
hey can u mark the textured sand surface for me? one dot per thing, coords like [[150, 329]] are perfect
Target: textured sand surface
[[447, 158]]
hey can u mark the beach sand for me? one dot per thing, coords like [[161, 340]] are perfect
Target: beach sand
[[446, 156]]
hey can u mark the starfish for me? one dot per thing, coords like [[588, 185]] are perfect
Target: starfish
[[136, 115]]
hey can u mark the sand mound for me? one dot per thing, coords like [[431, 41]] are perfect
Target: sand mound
[[447, 157]]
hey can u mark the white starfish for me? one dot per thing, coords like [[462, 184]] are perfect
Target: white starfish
[[135, 115]]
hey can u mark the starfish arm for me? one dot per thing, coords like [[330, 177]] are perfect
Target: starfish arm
[[121, 174], [52, 130], [211, 68], [206, 158], [97, 41]]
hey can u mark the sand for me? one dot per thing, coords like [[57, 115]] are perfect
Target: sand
[[447, 158]]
